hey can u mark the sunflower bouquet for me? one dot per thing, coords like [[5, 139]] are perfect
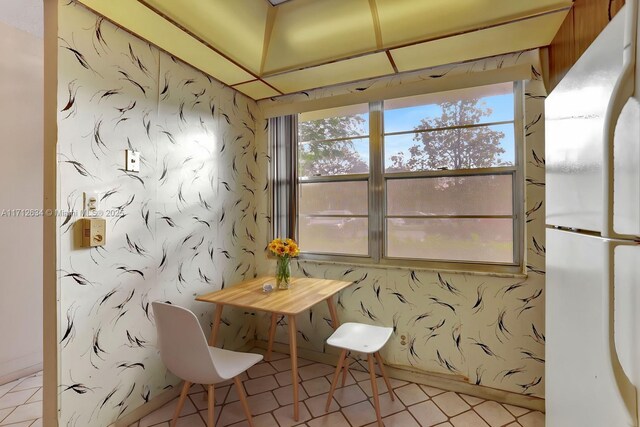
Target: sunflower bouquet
[[284, 250]]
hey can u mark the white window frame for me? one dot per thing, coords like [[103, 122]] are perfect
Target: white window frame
[[377, 179]]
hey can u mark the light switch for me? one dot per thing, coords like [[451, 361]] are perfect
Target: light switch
[[94, 232], [132, 161], [91, 204]]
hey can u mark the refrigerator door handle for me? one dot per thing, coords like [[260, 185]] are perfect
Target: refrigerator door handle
[[622, 91]]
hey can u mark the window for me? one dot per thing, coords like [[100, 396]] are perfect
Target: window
[[432, 180]]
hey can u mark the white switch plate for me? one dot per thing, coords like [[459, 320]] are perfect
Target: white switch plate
[[132, 161], [91, 204]]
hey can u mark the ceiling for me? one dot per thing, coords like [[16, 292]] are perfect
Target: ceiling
[[264, 50]]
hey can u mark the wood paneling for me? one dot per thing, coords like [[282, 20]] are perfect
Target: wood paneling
[[580, 28]]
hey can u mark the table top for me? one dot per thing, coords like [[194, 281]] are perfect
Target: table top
[[302, 294]]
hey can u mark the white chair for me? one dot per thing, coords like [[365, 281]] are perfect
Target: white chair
[[185, 352], [365, 339]]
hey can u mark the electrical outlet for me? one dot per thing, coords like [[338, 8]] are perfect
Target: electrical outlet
[[132, 159], [91, 205]]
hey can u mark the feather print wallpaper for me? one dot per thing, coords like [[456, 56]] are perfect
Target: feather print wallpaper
[[479, 328], [196, 219], [184, 225]]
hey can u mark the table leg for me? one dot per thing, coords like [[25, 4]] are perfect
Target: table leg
[[293, 349], [333, 313], [272, 335], [217, 316]]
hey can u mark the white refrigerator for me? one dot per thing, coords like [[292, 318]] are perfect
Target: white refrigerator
[[593, 223]]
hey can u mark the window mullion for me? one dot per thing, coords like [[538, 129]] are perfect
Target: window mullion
[[376, 182]]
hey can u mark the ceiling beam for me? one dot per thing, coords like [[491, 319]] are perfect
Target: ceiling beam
[[376, 23], [268, 29], [391, 61], [205, 43]]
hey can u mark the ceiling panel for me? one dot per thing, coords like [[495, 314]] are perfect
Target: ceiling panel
[[308, 32], [363, 67], [513, 37], [141, 21], [406, 21], [235, 28], [256, 90]]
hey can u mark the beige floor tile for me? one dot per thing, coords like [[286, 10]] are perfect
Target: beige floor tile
[[427, 414], [359, 375], [514, 424], [494, 414], [260, 385], [193, 420], [29, 411], [264, 420], [468, 419], [37, 397], [261, 403], [20, 424], [532, 419], [315, 370], [6, 388], [283, 378], [516, 410], [277, 356], [4, 412], [431, 391], [401, 419], [201, 400], [317, 405], [411, 394], [13, 399], [34, 381], [261, 370], [316, 386], [335, 419], [349, 395], [447, 424], [450, 403], [471, 400], [360, 414], [37, 423], [285, 364], [284, 415], [382, 387], [195, 388], [284, 395], [231, 413], [388, 406], [348, 381], [165, 413]]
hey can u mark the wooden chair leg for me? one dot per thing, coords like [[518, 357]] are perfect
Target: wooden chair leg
[[343, 355], [183, 397], [384, 374], [345, 371], [211, 407], [374, 388], [243, 400], [272, 335]]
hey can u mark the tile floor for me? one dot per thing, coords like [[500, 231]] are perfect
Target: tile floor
[[268, 386], [21, 402]]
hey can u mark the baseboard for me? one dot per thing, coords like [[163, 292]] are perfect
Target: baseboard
[[431, 379], [159, 401], [20, 373]]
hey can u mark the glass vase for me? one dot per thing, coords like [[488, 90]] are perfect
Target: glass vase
[[283, 273]]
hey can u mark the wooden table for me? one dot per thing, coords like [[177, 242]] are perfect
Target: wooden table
[[301, 295]]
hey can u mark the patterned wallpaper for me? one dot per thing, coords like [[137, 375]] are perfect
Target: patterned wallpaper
[[196, 219], [184, 225], [478, 328]]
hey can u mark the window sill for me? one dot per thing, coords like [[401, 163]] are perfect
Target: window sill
[[391, 266]]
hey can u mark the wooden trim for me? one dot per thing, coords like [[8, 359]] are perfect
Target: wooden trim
[[51, 285], [272, 12], [205, 43], [245, 82], [280, 71], [376, 23], [392, 61]]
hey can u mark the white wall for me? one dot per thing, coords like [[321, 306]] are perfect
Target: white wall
[[21, 160]]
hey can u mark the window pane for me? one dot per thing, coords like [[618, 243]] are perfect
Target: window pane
[[475, 240], [486, 104], [336, 235], [334, 198], [334, 123], [333, 158], [467, 148], [467, 195]]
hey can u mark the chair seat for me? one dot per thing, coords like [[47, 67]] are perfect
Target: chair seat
[[231, 363], [360, 337]]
